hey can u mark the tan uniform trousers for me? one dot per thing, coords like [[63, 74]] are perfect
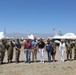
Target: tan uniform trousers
[[34, 55], [69, 54]]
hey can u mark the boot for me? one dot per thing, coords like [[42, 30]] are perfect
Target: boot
[[8, 61]]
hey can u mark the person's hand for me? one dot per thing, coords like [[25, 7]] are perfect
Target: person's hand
[[54, 51], [3, 50], [35, 49], [24, 51], [19, 49], [38, 51]]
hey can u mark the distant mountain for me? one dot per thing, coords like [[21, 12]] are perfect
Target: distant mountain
[[20, 35]]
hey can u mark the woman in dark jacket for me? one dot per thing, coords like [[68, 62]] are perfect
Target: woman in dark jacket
[[49, 50]]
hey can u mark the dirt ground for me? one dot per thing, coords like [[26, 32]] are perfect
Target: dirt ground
[[37, 68]]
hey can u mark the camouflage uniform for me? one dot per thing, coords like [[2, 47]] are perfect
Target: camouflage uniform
[[2, 52], [10, 51], [75, 51], [69, 50]]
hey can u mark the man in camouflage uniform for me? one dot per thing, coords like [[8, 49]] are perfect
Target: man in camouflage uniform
[[69, 49], [75, 50], [10, 49], [2, 51]]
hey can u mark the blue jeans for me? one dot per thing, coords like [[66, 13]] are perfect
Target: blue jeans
[[49, 56], [27, 55]]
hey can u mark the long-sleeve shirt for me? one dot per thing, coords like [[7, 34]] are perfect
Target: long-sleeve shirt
[[18, 45], [62, 47], [49, 47], [2, 47]]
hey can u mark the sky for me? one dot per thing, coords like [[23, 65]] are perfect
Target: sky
[[38, 16]]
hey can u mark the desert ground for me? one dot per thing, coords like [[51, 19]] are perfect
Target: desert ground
[[37, 68]]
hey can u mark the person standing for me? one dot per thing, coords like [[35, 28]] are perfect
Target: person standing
[[41, 46], [53, 53], [75, 50], [27, 48], [2, 50], [62, 50], [49, 50], [35, 49], [10, 51], [17, 47], [69, 50]]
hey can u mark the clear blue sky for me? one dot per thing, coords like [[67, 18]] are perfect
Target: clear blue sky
[[38, 16]]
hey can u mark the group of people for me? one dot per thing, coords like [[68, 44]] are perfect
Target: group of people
[[67, 47], [29, 46], [9, 46], [35, 47], [40, 46]]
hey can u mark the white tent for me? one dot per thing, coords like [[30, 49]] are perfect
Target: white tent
[[31, 37], [69, 36], [56, 37], [65, 36], [2, 35]]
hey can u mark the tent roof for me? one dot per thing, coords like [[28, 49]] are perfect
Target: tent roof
[[70, 34], [66, 36], [31, 36], [2, 35]]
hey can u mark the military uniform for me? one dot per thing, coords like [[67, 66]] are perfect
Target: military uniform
[[75, 51], [2, 52], [10, 52], [69, 50]]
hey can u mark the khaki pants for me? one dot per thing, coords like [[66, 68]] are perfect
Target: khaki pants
[[34, 55], [17, 55]]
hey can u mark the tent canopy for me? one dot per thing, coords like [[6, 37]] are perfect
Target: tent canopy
[[2, 35], [31, 37], [65, 36]]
